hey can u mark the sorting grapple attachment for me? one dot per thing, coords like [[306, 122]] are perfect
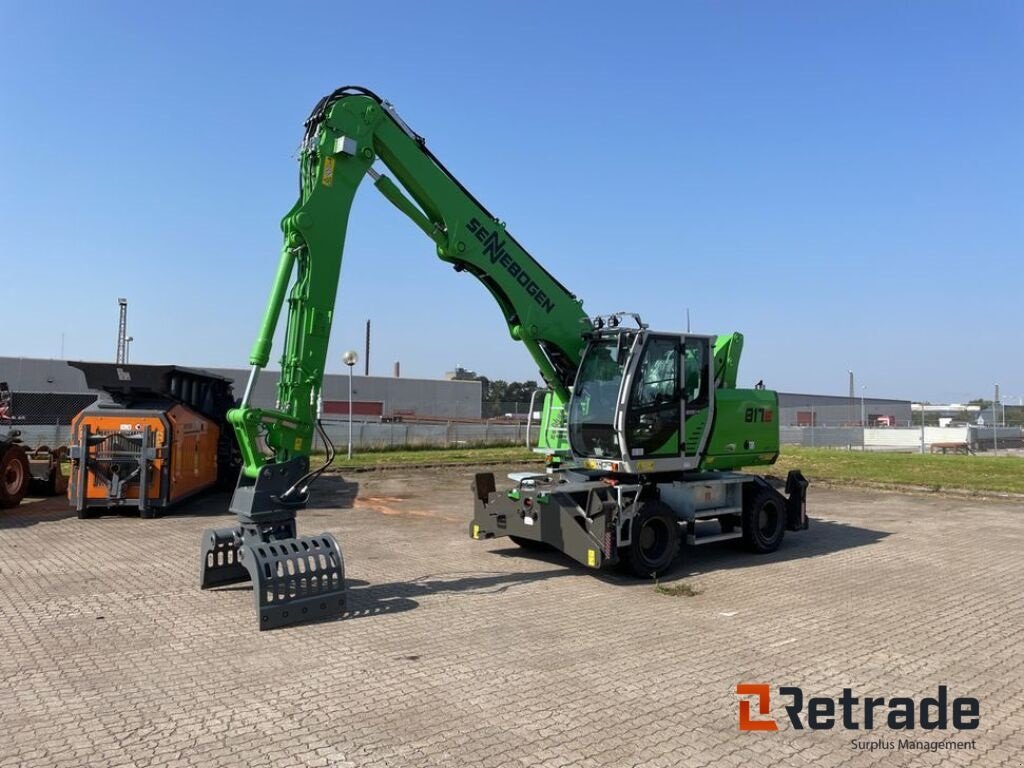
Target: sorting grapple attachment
[[219, 562], [294, 578]]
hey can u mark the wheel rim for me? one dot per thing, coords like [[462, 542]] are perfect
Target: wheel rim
[[768, 520], [653, 540], [14, 477]]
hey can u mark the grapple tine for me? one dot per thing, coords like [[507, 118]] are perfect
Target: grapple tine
[[296, 580], [219, 563]]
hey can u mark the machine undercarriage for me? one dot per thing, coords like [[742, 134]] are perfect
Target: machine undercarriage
[[599, 519]]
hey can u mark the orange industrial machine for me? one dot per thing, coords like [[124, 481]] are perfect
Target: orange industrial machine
[[159, 436]]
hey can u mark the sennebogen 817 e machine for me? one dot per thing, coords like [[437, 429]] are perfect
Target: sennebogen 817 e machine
[[651, 424]]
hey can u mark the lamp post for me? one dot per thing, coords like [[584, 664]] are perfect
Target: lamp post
[[350, 358], [128, 349], [122, 330], [863, 417], [995, 425], [853, 396]]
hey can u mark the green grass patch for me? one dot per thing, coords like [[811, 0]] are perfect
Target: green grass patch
[[680, 589], [1000, 474], [430, 457], [994, 474]]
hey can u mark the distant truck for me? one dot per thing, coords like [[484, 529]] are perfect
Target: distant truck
[[21, 466]]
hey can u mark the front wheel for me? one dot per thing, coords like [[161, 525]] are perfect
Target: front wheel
[[764, 522], [14, 476], [654, 541]]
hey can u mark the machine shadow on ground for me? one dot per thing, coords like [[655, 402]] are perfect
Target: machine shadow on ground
[[822, 538], [36, 510], [365, 599], [327, 493]]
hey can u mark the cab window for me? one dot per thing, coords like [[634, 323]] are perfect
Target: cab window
[[695, 366], [653, 416]]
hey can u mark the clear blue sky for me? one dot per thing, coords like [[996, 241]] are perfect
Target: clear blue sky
[[843, 182]]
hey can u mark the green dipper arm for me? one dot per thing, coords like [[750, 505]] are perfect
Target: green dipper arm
[[346, 133]]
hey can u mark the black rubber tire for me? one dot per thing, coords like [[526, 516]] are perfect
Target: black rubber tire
[[14, 475], [57, 485], [529, 543], [654, 542], [58, 480], [764, 521]]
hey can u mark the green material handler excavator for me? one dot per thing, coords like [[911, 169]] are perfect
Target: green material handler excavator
[[651, 426]]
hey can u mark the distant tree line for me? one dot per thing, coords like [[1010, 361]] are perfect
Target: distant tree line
[[500, 397]]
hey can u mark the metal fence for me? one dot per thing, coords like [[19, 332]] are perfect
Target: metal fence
[[367, 435], [374, 435], [974, 438], [49, 435], [508, 409], [822, 437]]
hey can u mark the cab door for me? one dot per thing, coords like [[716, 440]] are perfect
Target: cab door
[[654, 416], [696, 366]]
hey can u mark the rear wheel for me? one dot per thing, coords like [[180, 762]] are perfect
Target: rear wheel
[[764, 522], [57, 485], [654, 541], [14, 475], [59, 480], [56, 482]]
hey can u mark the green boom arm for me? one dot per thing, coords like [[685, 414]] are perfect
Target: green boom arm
[[345, 134]]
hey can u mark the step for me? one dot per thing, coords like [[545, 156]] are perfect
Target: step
[[696, 540], [717, 512]]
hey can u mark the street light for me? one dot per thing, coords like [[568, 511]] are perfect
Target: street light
[[350, 358], [995, 425], [128, 349], [922, 426]]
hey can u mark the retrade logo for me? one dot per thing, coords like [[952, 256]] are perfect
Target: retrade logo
[[850, 712], [764, 707]]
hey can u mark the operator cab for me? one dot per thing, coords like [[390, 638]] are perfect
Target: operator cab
[[643, 400]]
